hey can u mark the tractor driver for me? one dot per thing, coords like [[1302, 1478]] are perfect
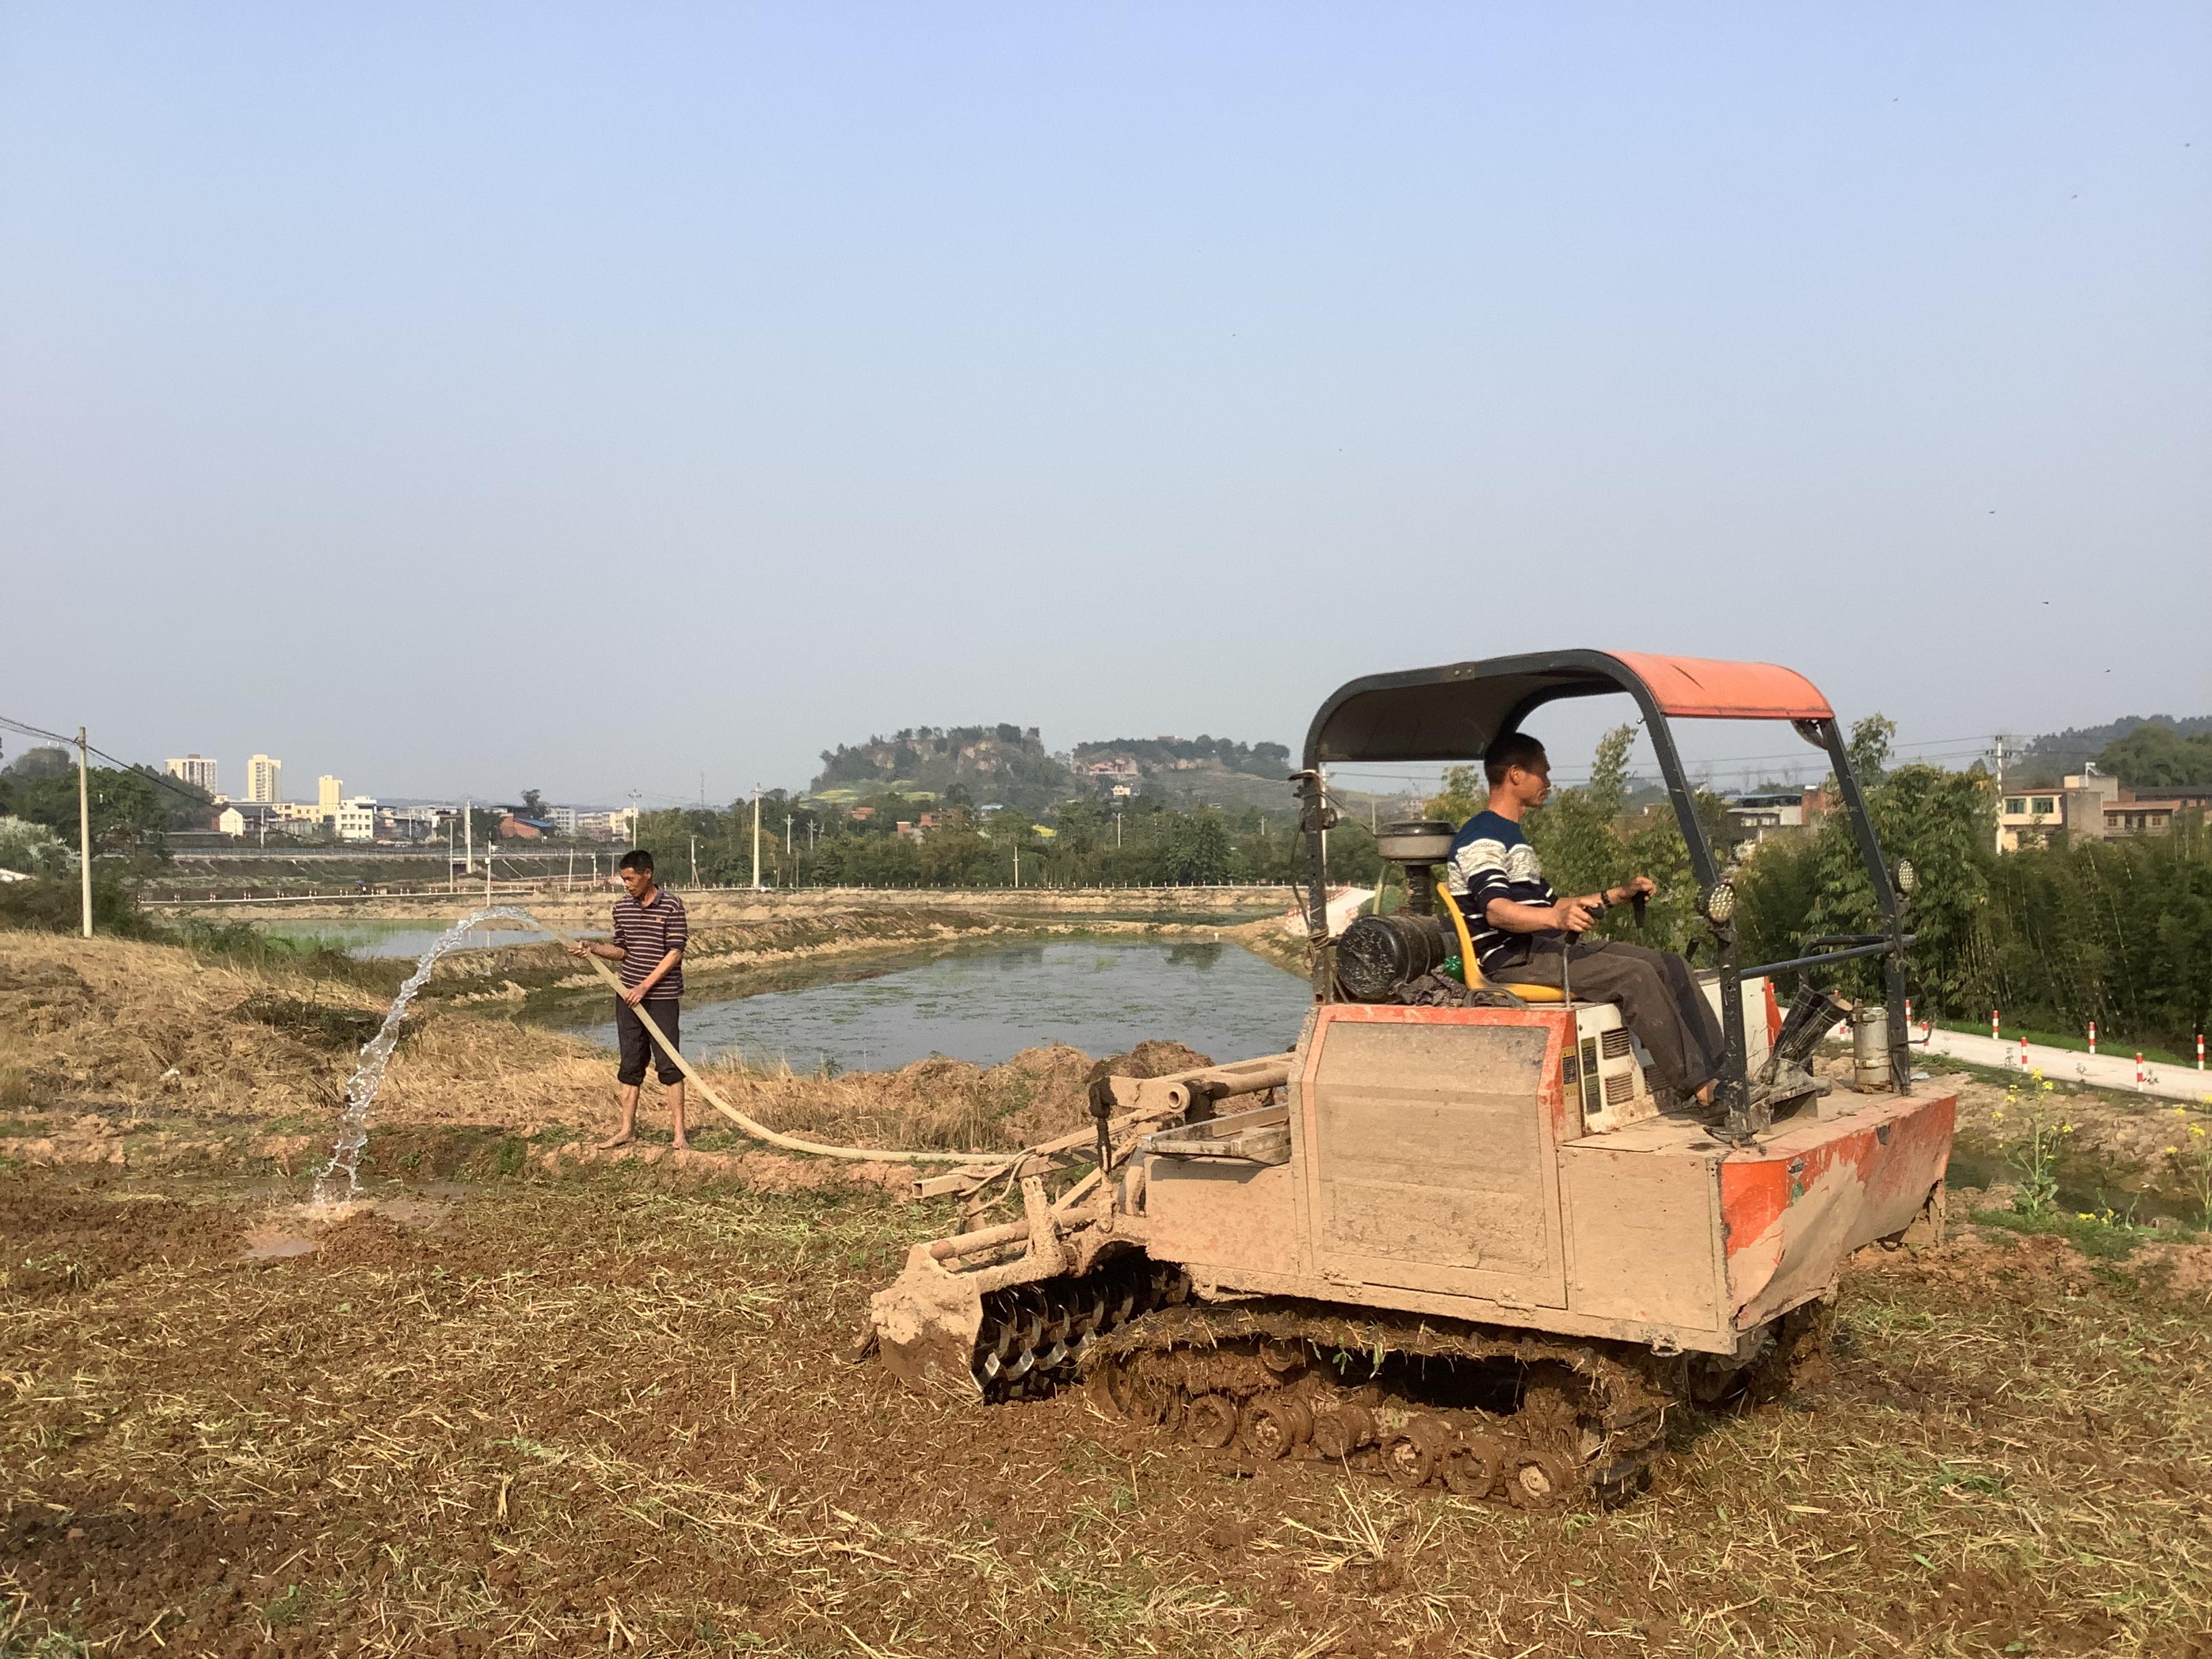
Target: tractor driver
[[1525, 934]]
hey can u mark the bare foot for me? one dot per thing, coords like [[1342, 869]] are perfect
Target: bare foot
[[681, 1146], [622, 1139]]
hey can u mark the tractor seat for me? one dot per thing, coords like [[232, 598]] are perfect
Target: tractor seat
[[1472, 974]]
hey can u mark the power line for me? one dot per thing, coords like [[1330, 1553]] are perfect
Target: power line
[[163, 779]]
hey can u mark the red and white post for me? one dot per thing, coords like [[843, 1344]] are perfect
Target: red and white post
[[2092, 1036], [2023, 1053], [2200, 1051], [2139, 1072], [1993, 1025]]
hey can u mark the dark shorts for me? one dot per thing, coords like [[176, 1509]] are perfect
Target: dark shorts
[[638, 1046]]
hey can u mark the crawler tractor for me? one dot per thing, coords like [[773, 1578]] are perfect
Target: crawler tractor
[[1453, 1235]]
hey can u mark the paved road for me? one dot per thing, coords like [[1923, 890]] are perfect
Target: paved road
[[2105, 1071]]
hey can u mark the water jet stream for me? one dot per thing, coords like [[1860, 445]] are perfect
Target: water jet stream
[[340, 1180]]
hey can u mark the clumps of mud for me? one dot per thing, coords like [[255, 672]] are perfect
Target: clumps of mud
[[61, 1243], [939, 1105]]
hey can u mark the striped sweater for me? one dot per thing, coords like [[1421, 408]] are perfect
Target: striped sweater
[[1491, 859]]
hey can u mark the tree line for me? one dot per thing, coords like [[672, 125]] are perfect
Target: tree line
[[1141, 842]]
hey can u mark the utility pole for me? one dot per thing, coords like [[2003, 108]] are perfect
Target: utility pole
[[450, 877], [468, 834], [84, 829], [571, 885], [2000, 847], [756, 793], [694, 854]]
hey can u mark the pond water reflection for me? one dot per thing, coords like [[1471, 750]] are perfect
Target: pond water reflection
[[1103, 997]]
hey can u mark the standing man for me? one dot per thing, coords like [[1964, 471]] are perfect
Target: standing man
[[1524, 933], [650, 932]]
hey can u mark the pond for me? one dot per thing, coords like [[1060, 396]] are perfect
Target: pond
[[1102, 997], [366, 939]]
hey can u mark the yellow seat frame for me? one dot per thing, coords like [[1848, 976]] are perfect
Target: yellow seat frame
[[1473, 974]]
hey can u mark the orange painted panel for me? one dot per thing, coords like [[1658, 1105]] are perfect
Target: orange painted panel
[[1700, 688], [1896, 1159]]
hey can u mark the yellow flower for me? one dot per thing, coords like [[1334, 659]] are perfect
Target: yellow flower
[[2196, 1129], [2037, 1074], [2065, 1128], [2172, 1150]]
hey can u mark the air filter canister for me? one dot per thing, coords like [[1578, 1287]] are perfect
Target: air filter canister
[[1377, 954]]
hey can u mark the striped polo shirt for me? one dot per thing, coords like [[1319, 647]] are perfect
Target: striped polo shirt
[[647, 932], [1491, 859]]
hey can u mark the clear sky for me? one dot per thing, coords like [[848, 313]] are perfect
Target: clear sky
[[471, 397]]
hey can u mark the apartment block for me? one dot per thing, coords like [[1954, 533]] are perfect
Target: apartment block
[[193, 769], [264, 779]]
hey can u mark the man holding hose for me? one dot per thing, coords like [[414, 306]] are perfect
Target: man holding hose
[[650, 932]]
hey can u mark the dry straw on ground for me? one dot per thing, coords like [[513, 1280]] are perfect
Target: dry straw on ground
[[598, 1413]]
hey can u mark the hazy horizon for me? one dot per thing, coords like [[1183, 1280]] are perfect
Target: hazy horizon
[[587, 401]]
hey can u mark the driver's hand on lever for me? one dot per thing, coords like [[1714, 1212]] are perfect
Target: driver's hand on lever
[[1575, 914]]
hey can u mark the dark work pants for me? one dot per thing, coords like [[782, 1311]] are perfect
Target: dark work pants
[[1659, 1000], [636, 1044]]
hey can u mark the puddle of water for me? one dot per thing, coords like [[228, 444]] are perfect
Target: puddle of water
[[368, 941], [1973, 1167], [268, 1245], [1102, 997], [414, 1212]]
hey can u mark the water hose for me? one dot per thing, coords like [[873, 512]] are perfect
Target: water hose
[[753, 1127]]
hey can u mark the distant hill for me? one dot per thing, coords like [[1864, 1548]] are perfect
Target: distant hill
[[1188, 771], [2047, 758], [1010, 764]]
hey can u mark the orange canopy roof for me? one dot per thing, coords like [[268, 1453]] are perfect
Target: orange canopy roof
[[1700, 688]]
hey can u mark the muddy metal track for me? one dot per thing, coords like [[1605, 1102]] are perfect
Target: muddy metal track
[[1540, 1422]]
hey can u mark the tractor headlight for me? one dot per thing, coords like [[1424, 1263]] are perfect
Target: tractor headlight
[[1718, 903], [1908, 878]]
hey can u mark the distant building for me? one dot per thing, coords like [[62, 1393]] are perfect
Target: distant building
[[354, 819], [264, 779], [250, 818], [563, 819], [1777, 813], [2090, 807], [619, 826], [198, 772], [413, 823], [2028, 817], [861, 814], [512, 827], [329, 792]]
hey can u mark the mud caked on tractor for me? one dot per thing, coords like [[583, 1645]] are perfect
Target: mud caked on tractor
[[1456, 1238]]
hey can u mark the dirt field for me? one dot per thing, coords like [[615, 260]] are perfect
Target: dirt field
[[534, 1404]]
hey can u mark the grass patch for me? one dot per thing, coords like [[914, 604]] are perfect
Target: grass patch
[[2101, 1234]]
